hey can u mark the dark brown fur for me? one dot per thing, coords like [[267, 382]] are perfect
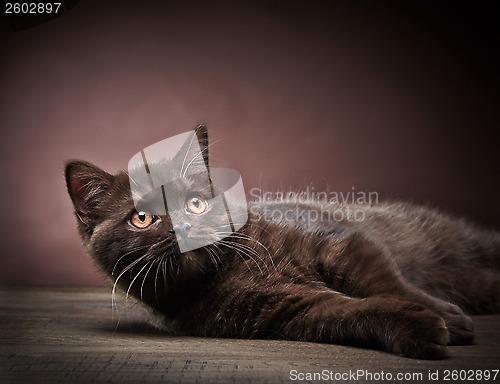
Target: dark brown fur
[[398, 280]]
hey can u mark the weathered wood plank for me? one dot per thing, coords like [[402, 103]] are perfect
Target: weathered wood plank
[[72, 335]]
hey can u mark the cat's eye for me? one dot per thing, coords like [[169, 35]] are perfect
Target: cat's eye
[[141, 219], [196, 204]]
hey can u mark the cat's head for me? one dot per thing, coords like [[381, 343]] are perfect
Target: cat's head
[[133, 244]]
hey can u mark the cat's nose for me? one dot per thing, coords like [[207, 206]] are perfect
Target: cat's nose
[[181, 229]]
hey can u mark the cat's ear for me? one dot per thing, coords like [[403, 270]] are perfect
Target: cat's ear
[[87, 186], [202, 135], [194, 158]]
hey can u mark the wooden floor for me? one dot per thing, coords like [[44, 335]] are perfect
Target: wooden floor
[[72, 335]]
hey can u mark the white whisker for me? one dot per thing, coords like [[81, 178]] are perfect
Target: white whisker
[[156, 282], [144, 279], [130, 266], [241, 250], [132, 282], [126, 254]]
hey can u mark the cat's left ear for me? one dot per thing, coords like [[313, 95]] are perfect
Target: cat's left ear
[[202, 135], [195, 157]]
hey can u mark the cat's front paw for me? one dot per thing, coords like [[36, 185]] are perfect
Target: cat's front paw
[[420, 334]]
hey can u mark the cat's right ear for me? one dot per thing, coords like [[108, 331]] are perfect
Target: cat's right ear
[[87, 186]]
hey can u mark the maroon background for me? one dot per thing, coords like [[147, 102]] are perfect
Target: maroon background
[[398, 99]]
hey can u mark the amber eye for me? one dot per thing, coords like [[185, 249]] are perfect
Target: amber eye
[[196, 204], [141, 219]]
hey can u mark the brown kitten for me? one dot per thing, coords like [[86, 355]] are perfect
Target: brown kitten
[[396, 280]]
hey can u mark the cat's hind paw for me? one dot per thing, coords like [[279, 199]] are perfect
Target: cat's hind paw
[[459, 324], [421, 335], [460, 328]]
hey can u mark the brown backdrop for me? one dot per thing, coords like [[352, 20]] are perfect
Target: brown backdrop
[[398, 99]]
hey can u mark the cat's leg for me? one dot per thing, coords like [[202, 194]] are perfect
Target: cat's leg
[[467, 274], [397, 326], [475, 289], [359, 267]]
